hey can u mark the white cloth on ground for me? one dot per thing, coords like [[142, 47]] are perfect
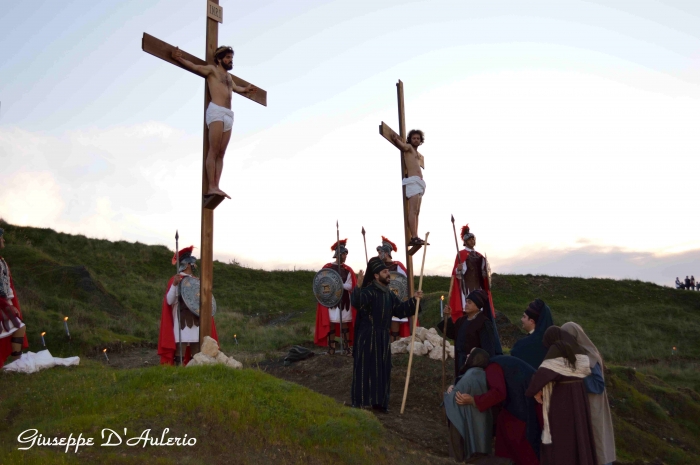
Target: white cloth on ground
[[334, 313], [217, 113], [31, 362], [188, 334], [414, 186]]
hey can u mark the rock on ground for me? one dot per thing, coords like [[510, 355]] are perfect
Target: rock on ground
[[211, 355]]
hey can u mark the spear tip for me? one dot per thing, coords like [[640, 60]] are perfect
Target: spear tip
[[177, 235], [453, 218], [363, 230]]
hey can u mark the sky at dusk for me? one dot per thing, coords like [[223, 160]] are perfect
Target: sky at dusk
[[564, 132]]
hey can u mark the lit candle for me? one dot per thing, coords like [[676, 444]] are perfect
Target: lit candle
[[43, 343], [234, 338], [104, 351], [65, 325], [442, 298], [674, 351]]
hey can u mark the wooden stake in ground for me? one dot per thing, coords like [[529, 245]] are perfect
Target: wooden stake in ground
[[415, 320], [164, 51]]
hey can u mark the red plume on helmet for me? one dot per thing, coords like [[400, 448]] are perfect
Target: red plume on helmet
[[393, 246], [335, 244], [465, 230], [187, 251]]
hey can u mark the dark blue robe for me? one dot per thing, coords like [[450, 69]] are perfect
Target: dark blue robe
[[371, 372], [530, 348]]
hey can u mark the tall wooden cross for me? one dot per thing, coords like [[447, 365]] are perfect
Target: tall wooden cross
[[388, 133], [164, 51]]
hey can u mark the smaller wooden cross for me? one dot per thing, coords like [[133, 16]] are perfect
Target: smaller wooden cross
[[388, 133]]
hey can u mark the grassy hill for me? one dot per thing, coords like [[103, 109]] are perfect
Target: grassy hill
[[112, 293]]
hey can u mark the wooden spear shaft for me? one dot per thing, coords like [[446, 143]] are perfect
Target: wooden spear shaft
[[415, 322], [340, 310]]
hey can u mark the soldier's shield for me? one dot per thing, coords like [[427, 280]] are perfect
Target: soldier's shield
[[399, 285], [189, 291], [328, 287]]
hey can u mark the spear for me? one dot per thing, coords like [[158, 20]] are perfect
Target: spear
[[459, 257], [177, 272], [415, 321], [365, 239], [340, 310]]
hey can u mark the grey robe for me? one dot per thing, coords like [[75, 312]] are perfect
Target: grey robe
[[475, 427]]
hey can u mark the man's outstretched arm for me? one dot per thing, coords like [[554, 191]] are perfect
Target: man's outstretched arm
[[400, 144], [243, 90], [205, 70]]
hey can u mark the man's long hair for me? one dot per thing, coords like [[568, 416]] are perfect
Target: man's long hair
[[221, 52], [415, 131]]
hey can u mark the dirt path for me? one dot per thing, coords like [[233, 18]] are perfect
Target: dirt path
[[421, 426]]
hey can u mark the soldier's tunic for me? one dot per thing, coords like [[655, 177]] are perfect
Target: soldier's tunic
[[189, 322], [375, 305], [475, 277], [7, 291]]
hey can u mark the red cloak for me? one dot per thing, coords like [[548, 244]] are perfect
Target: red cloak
[[455, 298], [323, 321], [166, 339], [5, 343]]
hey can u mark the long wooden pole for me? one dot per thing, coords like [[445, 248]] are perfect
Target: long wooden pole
[[462, 287], [415, 321], [444, 340], [340, 310]]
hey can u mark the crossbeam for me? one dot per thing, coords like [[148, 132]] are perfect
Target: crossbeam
[[386, 132], [164, 51]]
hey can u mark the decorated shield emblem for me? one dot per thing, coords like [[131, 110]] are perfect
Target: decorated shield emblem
[[189, 291], [399, 285], [328, 287]]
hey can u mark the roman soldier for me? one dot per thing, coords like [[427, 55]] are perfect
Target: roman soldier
[[174, 312], [400, 327], [13, 332], [470, 272], [339, 320]]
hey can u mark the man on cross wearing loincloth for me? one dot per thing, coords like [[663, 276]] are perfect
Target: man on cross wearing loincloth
[[219, 117], [415, 186]]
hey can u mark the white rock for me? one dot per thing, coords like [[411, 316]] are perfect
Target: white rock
[[428, 345], [421, 333], [398, 347], [203, 359], [433, 331], [231, 362], [210, 347], [193, 363], [418, 348], [434, 339], [451, 350], [221, 358], [436, 353]]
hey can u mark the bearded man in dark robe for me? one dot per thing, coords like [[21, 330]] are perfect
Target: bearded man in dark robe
[[375, 305]]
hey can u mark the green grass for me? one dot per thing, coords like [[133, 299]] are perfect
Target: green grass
[[246, 412]]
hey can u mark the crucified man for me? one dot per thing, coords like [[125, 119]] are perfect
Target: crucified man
[[219, 117], [415, 186]]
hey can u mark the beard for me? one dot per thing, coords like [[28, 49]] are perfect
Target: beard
[[227, 66], [384, 281]]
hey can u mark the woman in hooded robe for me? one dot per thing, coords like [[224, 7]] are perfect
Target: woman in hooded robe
[[601, 419], [470, 430], [567, 436]]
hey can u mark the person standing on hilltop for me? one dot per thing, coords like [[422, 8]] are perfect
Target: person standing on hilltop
[[415, 185], [375, 304], [470, 272], [601, 419], [339, 320], [400, 327], [187, 335], [692, 283], [536, 320], [687, 283], [13, 331]]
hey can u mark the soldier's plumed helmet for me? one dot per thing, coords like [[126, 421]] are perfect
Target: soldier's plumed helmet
[[340, 245], [466, 235], [185, 257], [387, 246]]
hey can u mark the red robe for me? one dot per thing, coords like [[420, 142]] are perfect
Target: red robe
[[323, 321], [166, 339], [5, 343], [455, 298], [511, 439], [405, 327]]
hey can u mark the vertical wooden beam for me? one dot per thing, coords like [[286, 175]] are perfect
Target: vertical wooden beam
[[407, 231], [207, 258]]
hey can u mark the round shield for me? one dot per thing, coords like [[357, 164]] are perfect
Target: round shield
[[399, 285], [189, 290], [328, 287]]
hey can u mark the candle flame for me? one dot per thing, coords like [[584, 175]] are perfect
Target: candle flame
[[42, 334], [674, 348], [442, 297], [234, 336], [104, 350], [65, 319]]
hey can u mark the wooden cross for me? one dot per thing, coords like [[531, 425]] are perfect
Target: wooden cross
[[164, 51], [388, 133]]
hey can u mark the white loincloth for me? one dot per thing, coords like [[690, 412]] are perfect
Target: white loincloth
[[217, 113], [414, 186], [188, 334]]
